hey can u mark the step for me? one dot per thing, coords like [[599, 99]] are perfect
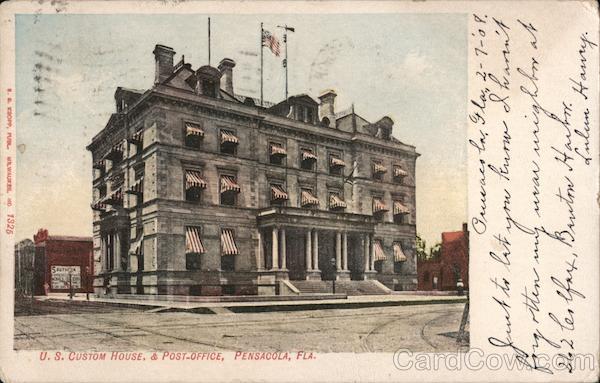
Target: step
[[344, 287]]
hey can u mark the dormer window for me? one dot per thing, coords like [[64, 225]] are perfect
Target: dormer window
[[208, 88]]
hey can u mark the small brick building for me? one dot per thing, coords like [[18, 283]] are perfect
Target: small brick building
[[442, 272], [61, 261]]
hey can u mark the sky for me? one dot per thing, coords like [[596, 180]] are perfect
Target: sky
[[411, 67]]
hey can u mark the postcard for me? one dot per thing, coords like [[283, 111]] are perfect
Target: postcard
[[275, 191]]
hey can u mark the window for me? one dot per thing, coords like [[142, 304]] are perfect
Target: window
[[229, 250], [136, 248], [208, 88], [308, 158], [399, 257], [193, 247], [378, 170], [336, 164], [335, 201], [229, 190], [278, 194], [379, 207], [116, 153], [137, 186], [277, 153], [401, 212], [379, 255], [102, 190], [399, 174], [310, 115], [100, 166], [194, 134], [229, 142], [307, 198], [194, 185]]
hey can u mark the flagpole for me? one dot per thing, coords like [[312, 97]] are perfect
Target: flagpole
[[286, 63], [261, 64], [285, 60], [209, 41]]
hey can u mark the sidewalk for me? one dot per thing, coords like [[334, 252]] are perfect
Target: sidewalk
[[307, 303]]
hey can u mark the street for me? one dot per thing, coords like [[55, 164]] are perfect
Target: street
[[427, 328]]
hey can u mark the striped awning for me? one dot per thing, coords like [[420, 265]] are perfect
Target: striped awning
[[308, 198], [379, 205], [278, 150], [137, 138], [136, 246], [192, 129], [378, 250], [116, 197], [399, 172], [228, 246], [137, 187], [193, 179], [335, 202], [308, 155], [398, 253], [399, 208], [99, 205], [335, 161], [100, 164], [193, 240], [379, 168], [117, 150], [228, 184], [278, 194], [227, 136]]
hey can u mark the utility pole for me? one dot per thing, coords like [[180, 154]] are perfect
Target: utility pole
[[285, 60]]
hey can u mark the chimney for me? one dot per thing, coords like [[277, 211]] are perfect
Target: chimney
[[226, 67], [326, 108], [465, 227], [163, 58]]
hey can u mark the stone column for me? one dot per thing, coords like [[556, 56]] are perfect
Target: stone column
[[259, 252], [103, 253], [308, 250], [338, 251], [372, 252], [315, 251], [283, 249], [275, 249], [117, 253], [345, 251], [367, 251]]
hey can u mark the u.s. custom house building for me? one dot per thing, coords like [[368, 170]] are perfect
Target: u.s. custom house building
[[198, 190]]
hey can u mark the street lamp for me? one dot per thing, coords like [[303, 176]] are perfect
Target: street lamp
[[332, 261]]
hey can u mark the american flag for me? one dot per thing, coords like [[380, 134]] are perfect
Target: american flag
[[270, 41]]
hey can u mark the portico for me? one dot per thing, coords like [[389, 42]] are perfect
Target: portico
[[305, 244]]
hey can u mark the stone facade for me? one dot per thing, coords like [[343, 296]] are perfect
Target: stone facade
[[201, 191]]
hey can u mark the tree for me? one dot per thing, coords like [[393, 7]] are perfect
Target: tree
[[423, 253], [421, 248]]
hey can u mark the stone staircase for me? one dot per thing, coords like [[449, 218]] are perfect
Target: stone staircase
[[341, 287]]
